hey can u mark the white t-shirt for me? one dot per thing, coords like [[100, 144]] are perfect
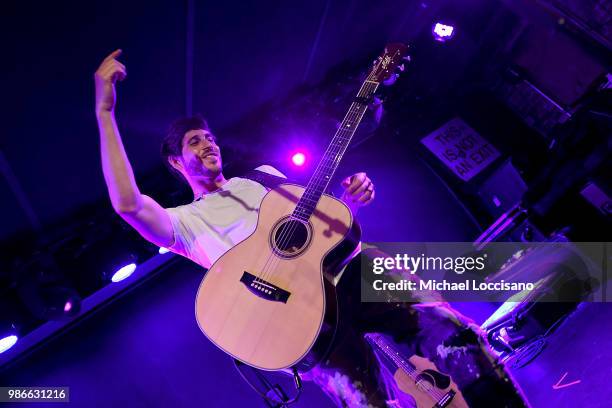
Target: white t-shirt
[[206, 228]]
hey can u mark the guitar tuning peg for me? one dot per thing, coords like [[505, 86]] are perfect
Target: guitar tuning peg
[[407, 58], [401, 67]]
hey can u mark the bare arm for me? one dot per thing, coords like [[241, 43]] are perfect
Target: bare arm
[[142, 212]]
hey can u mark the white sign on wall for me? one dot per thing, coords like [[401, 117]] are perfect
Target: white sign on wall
[[461, 149]]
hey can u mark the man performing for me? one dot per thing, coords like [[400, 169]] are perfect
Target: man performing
[[224, 212]]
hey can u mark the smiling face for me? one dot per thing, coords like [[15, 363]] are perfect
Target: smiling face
[[200, 155]]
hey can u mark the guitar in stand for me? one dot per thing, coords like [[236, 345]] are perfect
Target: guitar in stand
[[419, 377]]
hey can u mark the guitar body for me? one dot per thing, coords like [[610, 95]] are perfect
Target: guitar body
[[265, 302], [428, 379]]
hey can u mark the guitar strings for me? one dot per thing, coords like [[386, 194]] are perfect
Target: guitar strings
[[437, 395], [287, 235], [351, 116], [360, 116], [401, 363]]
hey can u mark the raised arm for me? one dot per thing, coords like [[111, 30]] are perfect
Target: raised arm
[[142, 212]]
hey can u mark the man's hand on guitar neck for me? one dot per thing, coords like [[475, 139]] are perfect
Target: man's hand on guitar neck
[[358, 191]]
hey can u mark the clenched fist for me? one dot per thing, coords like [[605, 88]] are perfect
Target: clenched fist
[[108, 73], [358, 191]]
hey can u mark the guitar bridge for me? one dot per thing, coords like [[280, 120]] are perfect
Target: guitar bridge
[[263, 288]]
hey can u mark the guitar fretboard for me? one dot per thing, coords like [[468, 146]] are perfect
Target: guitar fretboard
[[393, 354], [335, 151]]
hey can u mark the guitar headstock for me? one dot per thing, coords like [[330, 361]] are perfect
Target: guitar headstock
[[373, 337], [389, 62]]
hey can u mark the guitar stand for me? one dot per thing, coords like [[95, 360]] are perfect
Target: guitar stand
[[273, 395]]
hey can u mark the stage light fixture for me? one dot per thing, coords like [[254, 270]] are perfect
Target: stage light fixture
[[298, 159], [16, 320], [442, 32], [50, 301], [44, 289], [123, 273], [7, 342], [8, 335], [107, 261], [163, 250]]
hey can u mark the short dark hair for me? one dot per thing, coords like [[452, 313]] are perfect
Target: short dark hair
[[172, 144]]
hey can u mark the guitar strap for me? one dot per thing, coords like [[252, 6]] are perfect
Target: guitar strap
[[266, 179], [271, 181]]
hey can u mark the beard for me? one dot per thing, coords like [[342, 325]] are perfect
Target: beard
[[208, 167]]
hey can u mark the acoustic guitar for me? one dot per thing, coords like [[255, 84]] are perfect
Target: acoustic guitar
[[419, 377], [265, 302]]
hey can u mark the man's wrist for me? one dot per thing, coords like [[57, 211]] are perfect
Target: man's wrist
[[104, 115]]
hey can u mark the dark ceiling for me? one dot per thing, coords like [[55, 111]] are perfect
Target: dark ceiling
[[244, 53], [224, 59]]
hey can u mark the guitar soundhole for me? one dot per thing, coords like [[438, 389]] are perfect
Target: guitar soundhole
[[424, 384], [290, 237]]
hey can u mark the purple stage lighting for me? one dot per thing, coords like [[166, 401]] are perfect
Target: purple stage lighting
[[68, 307], [298, 159], [124, 272], [443, 32], [7, 342]]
